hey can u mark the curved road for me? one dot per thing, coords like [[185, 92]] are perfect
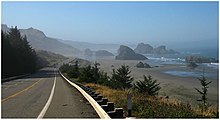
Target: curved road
[[26, 98]]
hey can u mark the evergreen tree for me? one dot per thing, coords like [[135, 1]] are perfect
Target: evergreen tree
[[86, 74], [74, 71], [148, 86], [204, 92], [121, 78], [96, 72], [17, 55]]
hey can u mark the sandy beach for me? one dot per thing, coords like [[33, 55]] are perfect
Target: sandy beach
[[181, 88]]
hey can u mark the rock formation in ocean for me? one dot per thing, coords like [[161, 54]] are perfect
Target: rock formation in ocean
[[192, 65], [126, 53], [143, 65], [103, 53], [144, 48], [148, 49], [162, 50], [200, 59]]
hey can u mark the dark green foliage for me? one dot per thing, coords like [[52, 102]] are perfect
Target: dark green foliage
[[93, 74], [86, 74], [18, 57], [203, 92], [72, 71], [121, 78], [65, 68], [148, 86], [103, 79]]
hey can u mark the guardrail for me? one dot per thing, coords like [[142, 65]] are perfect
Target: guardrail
[[102, 114], [103, 102], [14, 77], [104, 109]]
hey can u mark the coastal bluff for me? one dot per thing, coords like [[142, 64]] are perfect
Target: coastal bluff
[[126, 53]]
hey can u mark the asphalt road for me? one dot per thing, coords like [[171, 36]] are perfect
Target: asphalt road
[[26, 98]]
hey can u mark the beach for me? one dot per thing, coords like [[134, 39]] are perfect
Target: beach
[[176, 87]]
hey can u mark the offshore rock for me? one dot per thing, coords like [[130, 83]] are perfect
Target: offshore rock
[[126, 53]]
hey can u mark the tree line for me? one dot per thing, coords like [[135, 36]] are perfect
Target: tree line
[[18, 57], [120, 78]]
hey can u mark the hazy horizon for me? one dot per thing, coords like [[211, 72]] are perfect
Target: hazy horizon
[[174, 24]]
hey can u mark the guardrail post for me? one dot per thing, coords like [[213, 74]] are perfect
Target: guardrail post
[[111, 106], [99, 97], [105, 107], [119, 113], [103, 101], [94, 95], [91, 93], [112, 114]]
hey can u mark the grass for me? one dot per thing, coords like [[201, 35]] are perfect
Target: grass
[[152, 107]]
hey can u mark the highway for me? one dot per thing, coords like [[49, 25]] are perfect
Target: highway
[[43, 95]]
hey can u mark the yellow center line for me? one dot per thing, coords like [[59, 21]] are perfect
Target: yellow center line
[[21, 91]]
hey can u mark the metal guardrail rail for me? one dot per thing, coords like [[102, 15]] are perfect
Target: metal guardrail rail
[[102, 114]]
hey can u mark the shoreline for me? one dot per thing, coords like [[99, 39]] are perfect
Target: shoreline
[[176, 87]]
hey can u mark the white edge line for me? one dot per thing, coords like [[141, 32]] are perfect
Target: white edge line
[[44, 110], [102, 114]]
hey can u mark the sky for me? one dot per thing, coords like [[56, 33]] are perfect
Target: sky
[[157, 23]]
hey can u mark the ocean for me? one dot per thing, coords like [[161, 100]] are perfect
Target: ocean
[[210, 70]]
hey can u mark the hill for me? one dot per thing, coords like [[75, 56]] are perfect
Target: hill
[[92, 46], [46, 58], [38, 40]]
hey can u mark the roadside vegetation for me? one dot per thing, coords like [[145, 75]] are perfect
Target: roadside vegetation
[[145, 100], [18, 57]]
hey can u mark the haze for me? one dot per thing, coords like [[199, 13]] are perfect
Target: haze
[[158, 23]]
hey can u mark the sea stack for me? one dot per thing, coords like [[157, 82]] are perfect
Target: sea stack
[[126, 53]]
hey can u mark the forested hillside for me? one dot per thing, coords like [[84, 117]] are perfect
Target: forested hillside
[[18, 57]]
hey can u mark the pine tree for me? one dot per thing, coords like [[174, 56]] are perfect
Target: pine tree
[[18, 56], [203, 92], [73, 70], [148, 86], [86, 74], [121, 78], [96, 72]]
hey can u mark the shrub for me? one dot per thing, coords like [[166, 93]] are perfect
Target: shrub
[[72, 71], [103, 79], [86, 74], [94, 75], [147, 107]]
